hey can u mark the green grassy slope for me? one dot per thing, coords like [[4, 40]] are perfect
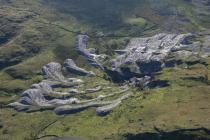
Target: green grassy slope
[[33, 29], [183, 105], [33, 33]]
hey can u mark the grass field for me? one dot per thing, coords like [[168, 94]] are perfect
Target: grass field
[[38, 32]]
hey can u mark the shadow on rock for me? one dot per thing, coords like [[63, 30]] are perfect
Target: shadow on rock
[[158, 84], [124, 75]]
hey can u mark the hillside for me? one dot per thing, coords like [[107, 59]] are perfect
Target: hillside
[[35, 33]]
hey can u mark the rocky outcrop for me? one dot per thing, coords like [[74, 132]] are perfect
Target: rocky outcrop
[[89, 54], [71, 67], [142, 56], [53, 71], [150, 53], [52, 74], [135, 66], [108, 108], [146, 56], [43, 96], [92, 90]]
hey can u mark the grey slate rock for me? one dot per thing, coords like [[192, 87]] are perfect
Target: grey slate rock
[[52, 74], [74, 69], [53, 71], [148, 50], [137, 63], [104, 110], [148, 55], [92, 90], [89, 54]]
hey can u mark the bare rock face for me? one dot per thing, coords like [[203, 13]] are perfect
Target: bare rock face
[[143, 56], [151, 51], [53, 71], [52, 74], [146, 56], [34, 96], [71, 67], [43, 95]]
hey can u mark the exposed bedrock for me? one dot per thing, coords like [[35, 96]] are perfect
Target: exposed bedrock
[[146, 56], [71, 67], [95, 89], [89, 54], [104, 107], [52, 74], [134, 66], [43, 95], [53, 71], [104, 110]]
